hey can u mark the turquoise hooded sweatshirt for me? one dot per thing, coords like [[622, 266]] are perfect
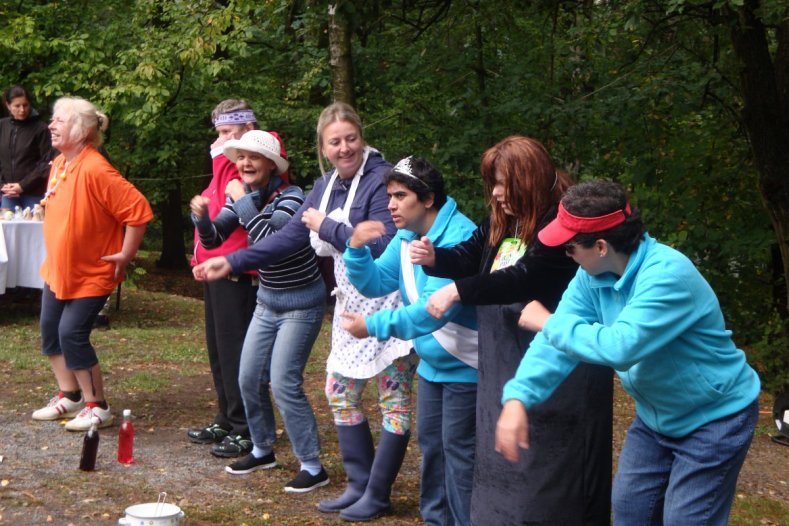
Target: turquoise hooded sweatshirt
[[660, 327], [377, 277]]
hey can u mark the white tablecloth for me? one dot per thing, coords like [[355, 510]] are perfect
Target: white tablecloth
[[21, 254]]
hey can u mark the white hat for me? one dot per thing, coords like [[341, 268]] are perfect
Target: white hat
[[257, 141]]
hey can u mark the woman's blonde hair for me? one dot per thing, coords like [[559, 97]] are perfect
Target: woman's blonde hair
[[338, 111], [86, 122]]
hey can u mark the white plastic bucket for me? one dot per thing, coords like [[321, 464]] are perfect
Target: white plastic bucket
[[152, 514]]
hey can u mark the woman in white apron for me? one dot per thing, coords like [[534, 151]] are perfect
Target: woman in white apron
[[353, 191], [352, 361]]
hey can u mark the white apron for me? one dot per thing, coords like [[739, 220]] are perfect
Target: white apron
[[350, 356]]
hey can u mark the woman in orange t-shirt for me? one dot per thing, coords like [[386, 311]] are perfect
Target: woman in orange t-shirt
[[88, 204]]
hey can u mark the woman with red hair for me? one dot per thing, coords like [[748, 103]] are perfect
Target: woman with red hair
[[561, 478]]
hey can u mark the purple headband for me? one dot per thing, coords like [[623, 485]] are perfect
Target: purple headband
[[235, 117]]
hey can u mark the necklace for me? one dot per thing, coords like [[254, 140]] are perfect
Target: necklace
[[54, 182]]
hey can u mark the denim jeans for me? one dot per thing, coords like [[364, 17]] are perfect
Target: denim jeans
[[688, 480], [446, 426], [275, 352], [23, 201]]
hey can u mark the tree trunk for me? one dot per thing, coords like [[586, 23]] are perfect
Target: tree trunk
[[340, 56], [173, 246], [766, 117]]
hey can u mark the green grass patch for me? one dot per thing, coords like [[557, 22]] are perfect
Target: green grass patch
[[141, 382], [154, 360], [748, 510], [20, 346]]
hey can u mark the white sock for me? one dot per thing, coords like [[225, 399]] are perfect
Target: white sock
[[313, 467], [260, 452]]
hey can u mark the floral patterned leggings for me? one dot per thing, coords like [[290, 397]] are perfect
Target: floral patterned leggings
[[394, 395]]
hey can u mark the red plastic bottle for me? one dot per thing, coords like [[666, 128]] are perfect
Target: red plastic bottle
[[126, 439]]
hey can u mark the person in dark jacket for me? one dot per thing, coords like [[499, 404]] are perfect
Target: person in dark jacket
[[564, 478], [25, 152]]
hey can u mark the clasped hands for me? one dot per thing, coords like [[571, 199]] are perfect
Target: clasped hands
[[11, 190]]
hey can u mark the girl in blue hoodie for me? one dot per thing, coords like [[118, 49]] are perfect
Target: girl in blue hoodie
[[644, 309]]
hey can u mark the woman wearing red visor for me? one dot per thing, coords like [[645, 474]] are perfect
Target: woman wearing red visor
[[642, 308]]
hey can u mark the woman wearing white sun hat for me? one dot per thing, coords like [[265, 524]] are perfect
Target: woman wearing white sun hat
[[352, 191], [290, 306]]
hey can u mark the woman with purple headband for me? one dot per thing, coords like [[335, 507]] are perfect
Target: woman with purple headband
[[644, 309], [229, 302]]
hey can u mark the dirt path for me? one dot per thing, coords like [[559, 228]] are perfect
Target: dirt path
[[40, 483], [44, 486]]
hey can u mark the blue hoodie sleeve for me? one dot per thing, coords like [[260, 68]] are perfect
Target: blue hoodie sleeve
[[544, 367], [411, 321], [373, 278], [378, 277], [540, 372]]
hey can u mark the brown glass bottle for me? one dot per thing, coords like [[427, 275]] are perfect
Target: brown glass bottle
[[90, 447]]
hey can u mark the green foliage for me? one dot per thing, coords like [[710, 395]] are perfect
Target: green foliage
[[769, 354], [645, 93]]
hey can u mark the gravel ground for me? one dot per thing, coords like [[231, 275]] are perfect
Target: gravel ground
[[42, 485]]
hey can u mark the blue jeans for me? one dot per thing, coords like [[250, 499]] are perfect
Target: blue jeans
[[24, 201], [446, 425], [688, 480], [275, 352]]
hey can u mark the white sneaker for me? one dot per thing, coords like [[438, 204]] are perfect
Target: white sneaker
[[59, 407], [83, 420]]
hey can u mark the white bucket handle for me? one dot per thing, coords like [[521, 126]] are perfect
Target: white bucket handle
[[160, 502]]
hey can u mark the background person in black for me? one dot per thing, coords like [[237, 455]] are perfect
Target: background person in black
[[25, 151]]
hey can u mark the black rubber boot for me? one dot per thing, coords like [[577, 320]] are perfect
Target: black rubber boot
[[357, 450], [388, 459]]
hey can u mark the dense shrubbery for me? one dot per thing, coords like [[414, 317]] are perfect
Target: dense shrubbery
[[632, 91]]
